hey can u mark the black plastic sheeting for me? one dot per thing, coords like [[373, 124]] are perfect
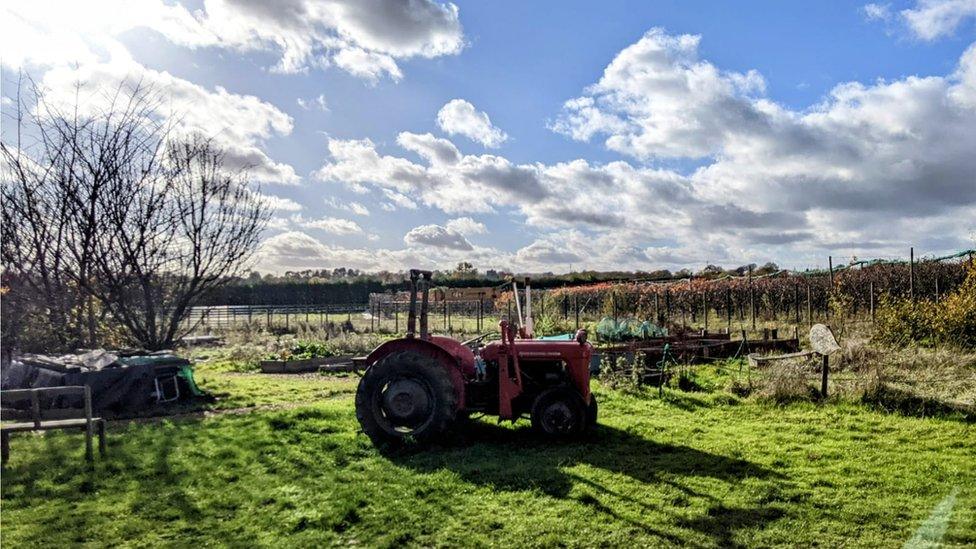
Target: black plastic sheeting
[[132, 386]]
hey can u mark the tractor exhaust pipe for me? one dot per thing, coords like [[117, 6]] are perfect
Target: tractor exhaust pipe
[[412, 313], [425, 288]]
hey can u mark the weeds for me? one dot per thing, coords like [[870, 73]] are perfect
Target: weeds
[[950, 321]]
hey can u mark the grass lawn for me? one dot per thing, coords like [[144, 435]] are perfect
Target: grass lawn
[[700, 469]]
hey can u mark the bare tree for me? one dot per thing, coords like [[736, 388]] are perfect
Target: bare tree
[[117, 209]]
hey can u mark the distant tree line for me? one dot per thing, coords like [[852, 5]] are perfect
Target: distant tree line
[[343, 285]]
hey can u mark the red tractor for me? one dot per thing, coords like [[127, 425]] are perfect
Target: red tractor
[[416, 388]]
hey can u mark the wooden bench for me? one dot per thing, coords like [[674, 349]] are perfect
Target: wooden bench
[[88, 423]]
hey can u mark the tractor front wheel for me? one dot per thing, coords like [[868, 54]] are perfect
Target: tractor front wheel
[[405, 398], [559, 412]]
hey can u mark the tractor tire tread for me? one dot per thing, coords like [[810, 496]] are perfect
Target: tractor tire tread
[[439, 380]]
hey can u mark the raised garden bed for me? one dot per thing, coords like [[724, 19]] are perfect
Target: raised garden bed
[[305, 365]]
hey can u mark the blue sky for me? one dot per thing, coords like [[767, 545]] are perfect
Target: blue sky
[[733, 132]]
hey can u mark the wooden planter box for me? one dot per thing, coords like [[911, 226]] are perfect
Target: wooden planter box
[[330, 364]]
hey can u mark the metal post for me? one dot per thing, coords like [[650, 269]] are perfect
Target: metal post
[[576, 308], [871, 298], [481, 311], [911, 273], [705, 309], [809, 306], [830, 290], [396, 317], [823, 376], [796, 302], [728, 308], [667, 305], [752, 300]]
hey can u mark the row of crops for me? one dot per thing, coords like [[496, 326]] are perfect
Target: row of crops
[[847, 290]]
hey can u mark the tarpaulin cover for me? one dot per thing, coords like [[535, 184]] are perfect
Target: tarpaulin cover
[[126, 385]]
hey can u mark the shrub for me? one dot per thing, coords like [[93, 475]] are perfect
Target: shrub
[[954, 319], [739, 387], [950, 321], [622, 374]]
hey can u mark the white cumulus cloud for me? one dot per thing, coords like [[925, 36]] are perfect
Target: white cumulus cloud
[[437, 237], [466, 226], [458, 117], [332, 225]]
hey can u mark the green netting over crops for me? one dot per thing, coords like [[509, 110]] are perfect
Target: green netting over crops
[[609, 329]]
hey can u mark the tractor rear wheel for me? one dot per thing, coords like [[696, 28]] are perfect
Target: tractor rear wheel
[[559, 412], [405, 398]]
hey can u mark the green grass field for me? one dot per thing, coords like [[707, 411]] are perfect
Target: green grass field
[[700, 469]]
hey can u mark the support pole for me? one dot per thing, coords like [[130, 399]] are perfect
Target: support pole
[[752, 300], [809, 306], [667, 305], [796, 303], [871, 298], [576, 308], [823, 376], [911, 273], [728, 309], [830, 289], [705, 309]]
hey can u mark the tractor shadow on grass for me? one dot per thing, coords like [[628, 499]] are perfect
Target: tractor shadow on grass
[[518, 460]]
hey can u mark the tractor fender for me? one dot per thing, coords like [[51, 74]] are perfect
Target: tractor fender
[[456, 359]]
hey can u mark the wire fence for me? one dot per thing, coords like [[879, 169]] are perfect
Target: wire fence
[[748, 304]]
